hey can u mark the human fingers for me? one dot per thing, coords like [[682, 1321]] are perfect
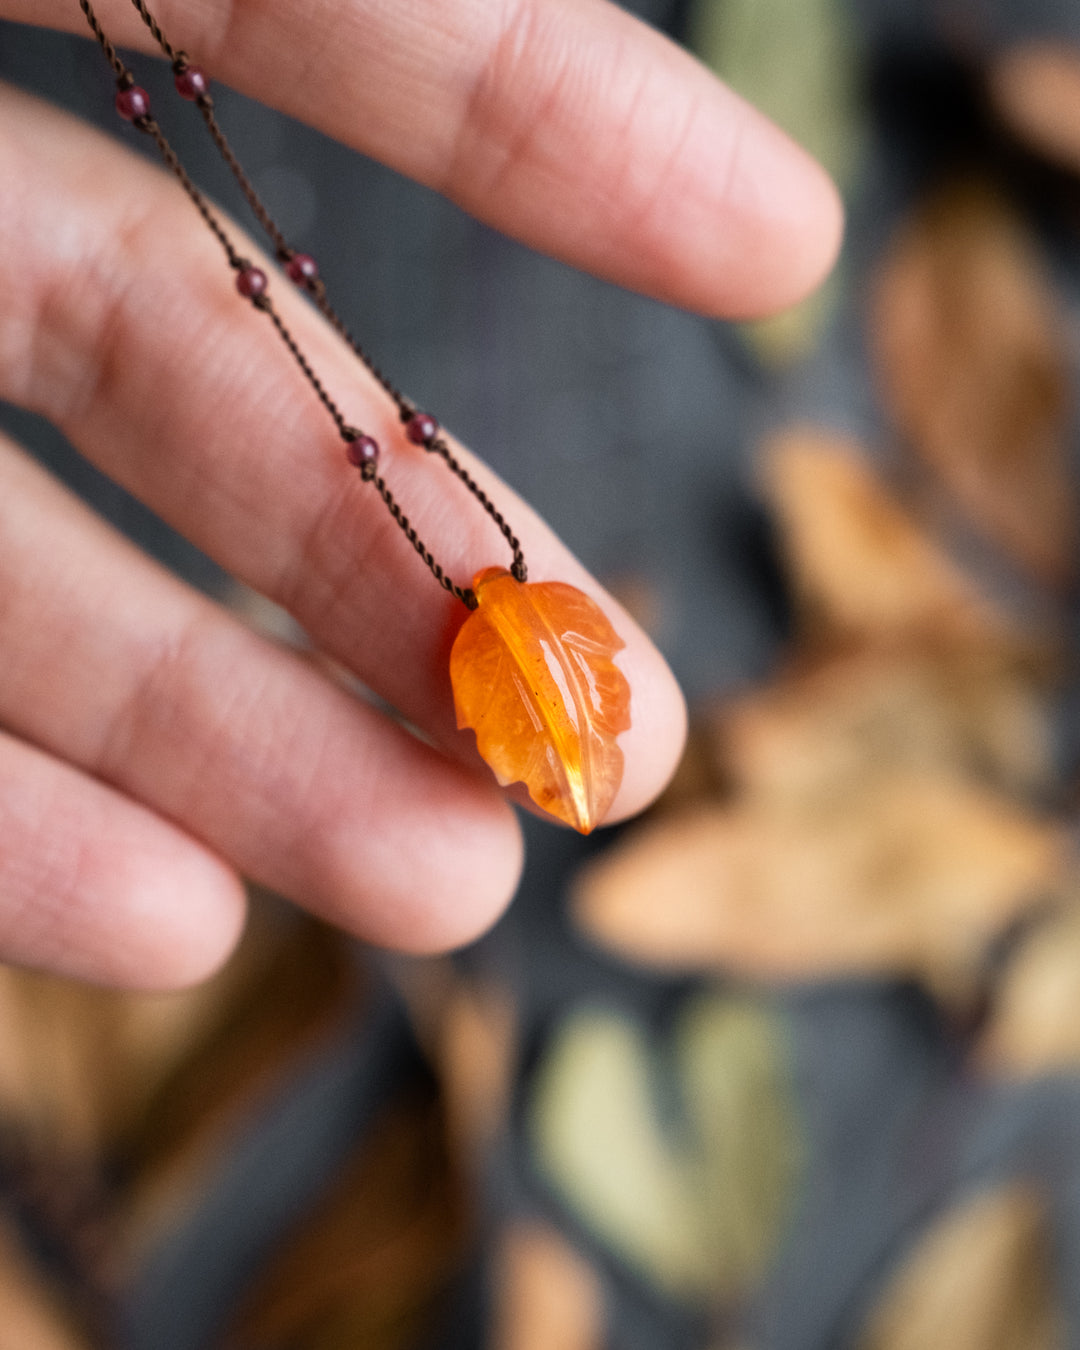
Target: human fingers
[[162, 744], [123, 326], [97, 887], [566, 123]]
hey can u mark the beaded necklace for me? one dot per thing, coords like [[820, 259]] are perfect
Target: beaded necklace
[[531, 668]]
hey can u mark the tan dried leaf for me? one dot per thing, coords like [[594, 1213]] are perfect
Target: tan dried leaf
[[475, 1052], [1035, 87], [292, 985], [32, 1316], [1034, 1024], [546, 1294], [978, 1280], [369, 1266], [825, 728], [58, 1068], [80, 1066], [467, 1028], [973, 368], [861, 565], [913, 875]]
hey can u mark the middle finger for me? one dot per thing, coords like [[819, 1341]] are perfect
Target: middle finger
[[124, 327]]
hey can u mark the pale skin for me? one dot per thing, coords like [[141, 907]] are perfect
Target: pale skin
[[152, 749]]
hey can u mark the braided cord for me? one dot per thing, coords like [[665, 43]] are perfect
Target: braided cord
[[314, 286]]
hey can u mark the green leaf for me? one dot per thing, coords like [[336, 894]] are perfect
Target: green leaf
[[795, 60], [695, 1199]]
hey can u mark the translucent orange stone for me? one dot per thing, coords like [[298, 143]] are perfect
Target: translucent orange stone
[[533, 676]]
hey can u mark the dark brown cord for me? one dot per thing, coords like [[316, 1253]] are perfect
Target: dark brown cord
[[205, 105], [121, 71], [317, 291], [148, 125], [155, 28], [264, 303], [315, 288], [439, 447], [464, 593]]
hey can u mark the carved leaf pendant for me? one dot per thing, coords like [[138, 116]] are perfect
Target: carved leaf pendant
[[533, 675]]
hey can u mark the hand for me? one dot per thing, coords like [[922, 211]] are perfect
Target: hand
[[151, 747]]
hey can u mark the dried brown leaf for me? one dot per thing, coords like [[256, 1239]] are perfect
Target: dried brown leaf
[[32, 1314], [973, 368], [978, 1280], [1034, 1024], [58, 1071], [913, 875], [546, 1293], [476, 1061], [292, 987], [1035, 87], [861, 565], [81, 1066], [826, 728], [369, 1266], [467, 1029]]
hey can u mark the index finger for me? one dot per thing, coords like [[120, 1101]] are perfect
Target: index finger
[[566, 123]]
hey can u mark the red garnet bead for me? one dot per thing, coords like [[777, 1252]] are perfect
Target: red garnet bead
[[421, 428], [251, 282], [132, 103], [362, 450], [302, 268], [191, 83]]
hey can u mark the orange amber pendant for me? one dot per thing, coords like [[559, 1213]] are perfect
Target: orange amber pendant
[[533, 675]]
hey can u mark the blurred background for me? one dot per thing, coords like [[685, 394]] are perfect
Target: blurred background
[[794, 1062]]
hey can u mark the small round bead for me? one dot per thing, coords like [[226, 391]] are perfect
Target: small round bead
[[132, 103], [191, 83], [302, 268], [251, 282], [421, 428], [362, 450]]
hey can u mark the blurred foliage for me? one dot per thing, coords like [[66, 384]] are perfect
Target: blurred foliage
[[976, 1280], [1035, 87], [366, 1270], [546, 1293], [796, 60], [1034, 1025], [697, 1207], [885, 805], [973, 366], [881, 805]]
